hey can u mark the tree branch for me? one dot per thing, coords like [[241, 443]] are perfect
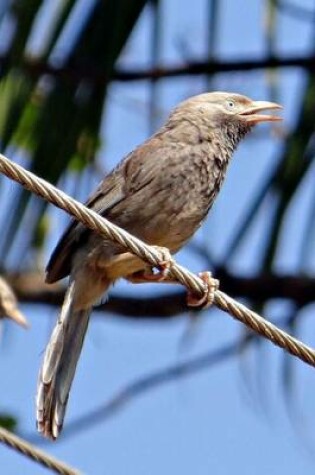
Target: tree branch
[[196, 68], [31, 288], [75, 73]]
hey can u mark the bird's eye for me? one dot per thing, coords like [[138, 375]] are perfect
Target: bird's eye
[[230, 104]]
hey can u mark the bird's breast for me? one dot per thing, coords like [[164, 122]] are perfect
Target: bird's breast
[[179, 199]]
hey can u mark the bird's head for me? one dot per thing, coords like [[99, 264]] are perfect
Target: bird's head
[[223, 108]]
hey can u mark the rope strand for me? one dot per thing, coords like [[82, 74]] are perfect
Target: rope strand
[[149, 254], [25, 448]]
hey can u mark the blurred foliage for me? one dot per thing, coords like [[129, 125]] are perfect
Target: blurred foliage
[[8, 422], [55, 119]]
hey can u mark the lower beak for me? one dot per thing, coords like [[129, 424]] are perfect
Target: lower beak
[[251, 114]]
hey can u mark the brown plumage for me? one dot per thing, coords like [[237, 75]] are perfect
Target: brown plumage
[[161, 193]]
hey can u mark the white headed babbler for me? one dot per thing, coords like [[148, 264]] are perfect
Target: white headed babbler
[[161, 193]]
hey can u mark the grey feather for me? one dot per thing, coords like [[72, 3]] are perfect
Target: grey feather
[[59, 365]]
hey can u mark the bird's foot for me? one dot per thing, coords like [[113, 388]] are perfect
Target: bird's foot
[[164, 265], [149, 275], [211, 285]]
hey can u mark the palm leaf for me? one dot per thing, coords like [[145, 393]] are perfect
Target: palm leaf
[[55, 119]]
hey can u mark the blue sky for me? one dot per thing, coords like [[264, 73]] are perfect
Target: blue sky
[[233, 415]]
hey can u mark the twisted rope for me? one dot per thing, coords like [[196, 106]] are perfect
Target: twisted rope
[[149, 254], [37, 455]]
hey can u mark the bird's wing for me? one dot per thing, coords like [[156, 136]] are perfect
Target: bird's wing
[[109, 193], [132, 175]]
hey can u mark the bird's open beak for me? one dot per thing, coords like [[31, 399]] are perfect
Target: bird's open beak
[[251, 114]]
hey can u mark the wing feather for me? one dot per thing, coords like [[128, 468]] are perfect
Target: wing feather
[[127, 182], [109, 193]]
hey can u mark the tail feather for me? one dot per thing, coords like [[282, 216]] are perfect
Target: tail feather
[[59, 365]]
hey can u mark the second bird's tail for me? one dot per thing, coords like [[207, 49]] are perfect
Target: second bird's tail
[[59, 365]]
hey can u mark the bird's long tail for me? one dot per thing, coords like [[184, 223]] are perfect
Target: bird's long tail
[[59, 365]]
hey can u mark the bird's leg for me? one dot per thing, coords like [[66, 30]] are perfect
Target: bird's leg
[[207, 299], [133, 268], [148, 275]]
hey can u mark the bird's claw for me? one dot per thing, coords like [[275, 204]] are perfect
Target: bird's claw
[[211, 285], [148, 275], [164, 264]]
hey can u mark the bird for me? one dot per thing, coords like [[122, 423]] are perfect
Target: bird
[[161, 192]]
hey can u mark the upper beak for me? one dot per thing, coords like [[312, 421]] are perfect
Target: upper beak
[[250, 114]]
